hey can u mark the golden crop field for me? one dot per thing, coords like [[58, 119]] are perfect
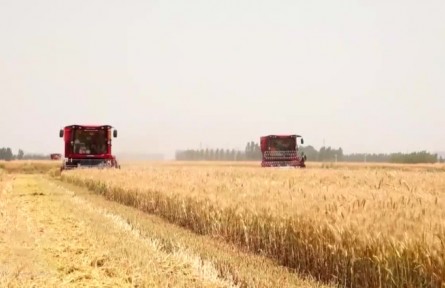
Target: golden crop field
[[56, 234], [357, 225], [354, 225]]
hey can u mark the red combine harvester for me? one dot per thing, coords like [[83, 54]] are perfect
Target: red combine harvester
[[281, 151], [56, 156], [88, 146]]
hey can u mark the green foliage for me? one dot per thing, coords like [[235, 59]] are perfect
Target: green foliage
[[330, 154], [252, 152], [414, 158], [205, 155], [20, 154], [6, 154]]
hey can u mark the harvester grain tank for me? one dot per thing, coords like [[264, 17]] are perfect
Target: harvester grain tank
[[281, 151], [88, 146]]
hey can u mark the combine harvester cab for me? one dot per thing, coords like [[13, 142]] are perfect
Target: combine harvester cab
[[88, 146], [281, 151]]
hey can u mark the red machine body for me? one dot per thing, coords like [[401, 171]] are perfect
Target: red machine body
[[281, 151], [56, 156], [88, 146]]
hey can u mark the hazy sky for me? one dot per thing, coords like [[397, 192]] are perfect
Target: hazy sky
[[367, 76]]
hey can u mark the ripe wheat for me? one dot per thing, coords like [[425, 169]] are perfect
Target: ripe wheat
[[360, 228]]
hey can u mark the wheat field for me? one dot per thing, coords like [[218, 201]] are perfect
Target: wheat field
[[351, 225], [56, 234], [355, 225]]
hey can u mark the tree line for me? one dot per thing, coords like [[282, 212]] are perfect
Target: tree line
[[252, 152], [6, 154], [331, 154]]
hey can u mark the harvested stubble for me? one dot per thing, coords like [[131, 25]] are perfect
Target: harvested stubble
[[4, 181], [50, 237], [245, 269], [361, 228], [29, 166]]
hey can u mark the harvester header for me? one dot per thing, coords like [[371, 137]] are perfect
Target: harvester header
[[281, 151]]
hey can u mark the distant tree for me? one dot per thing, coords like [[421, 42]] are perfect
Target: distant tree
[[340, 154], [239, 156], [20, 154], [328, 154], [322, 154], [9, 155], [248, 151], [257, 152], [310, 152], [232, 155], [222, 154]]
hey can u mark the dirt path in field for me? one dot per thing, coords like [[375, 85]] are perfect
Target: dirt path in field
[[51, 238]]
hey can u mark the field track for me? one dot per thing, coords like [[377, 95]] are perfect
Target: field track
[[57, 235]]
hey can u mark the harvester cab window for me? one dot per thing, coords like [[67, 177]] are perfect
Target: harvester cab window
[[90, 142], [281, 144]]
